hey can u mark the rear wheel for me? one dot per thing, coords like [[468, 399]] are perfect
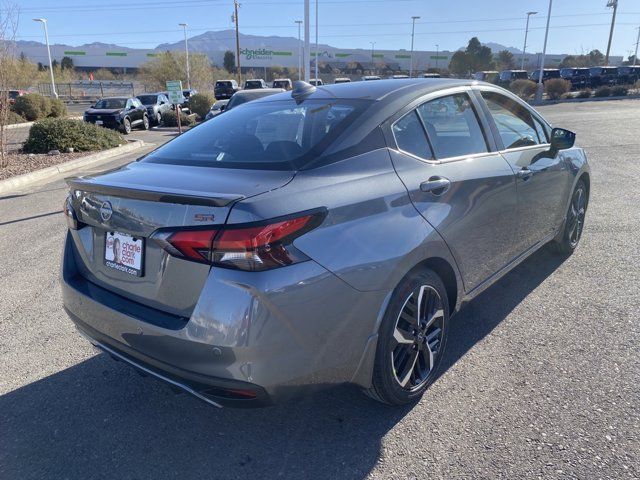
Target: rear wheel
[[411, 340], [574, 223]]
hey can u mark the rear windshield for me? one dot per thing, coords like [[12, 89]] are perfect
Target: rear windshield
[[223, 84], [148, 99], [111, 103], [254, 83], [279, 135]]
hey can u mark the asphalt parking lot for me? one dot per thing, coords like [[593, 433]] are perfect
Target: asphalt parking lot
[[541, 378]]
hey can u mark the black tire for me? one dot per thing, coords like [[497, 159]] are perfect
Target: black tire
[[158, 118], [126, 126], [574, 223], [145, 122], [406, 382]]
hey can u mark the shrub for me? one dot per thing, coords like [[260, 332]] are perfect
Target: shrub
[[602, 92], [58, 108], [60, 134], [523, 88], [169, 119], [586, 93], [32, 106], [200, 103], [620, 91], [13, 118], [556, 87]]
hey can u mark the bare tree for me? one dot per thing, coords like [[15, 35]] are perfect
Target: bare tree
[[8, 63]]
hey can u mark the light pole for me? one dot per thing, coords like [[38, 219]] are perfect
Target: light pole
[[299, 22], [614, 4], [526, 33], [635, 56], [307, 46], [317, 42], [540, 89], [46, 37], [437, 54], [413, 31], [186, 51], [373, 44]]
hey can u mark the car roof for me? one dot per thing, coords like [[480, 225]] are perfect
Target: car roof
[[259, 92], [116, 98]]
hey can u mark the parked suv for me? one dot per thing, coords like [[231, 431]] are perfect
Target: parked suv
[[283, 83], [547, 74], [119, 113], [223, 89], [157, 104], [628, 75], [255, 83], [599, 76], [508, 76], [579, 77], [490, 76]]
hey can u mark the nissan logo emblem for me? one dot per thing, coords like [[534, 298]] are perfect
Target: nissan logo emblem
[[106, 211]]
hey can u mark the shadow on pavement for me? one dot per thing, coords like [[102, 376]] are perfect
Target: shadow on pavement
[[99, 419]]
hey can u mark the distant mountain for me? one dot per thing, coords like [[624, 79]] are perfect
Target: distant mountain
[[496, 47]]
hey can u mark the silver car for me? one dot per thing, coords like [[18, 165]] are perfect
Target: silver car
[[317, 237]]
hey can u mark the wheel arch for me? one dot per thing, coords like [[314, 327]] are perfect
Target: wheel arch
[[586, 178], [446, 273]]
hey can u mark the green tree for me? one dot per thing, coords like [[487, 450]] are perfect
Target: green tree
[[596, 57], [459, 64], [505, 60], [479, 56], [229, 61], [54, 63], [66, 63], [171, 65]]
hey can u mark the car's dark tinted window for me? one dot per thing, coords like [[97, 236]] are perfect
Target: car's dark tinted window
[[410, 136], [148, 99], [452, 126], [111, 103], [280, 135], [515, 123]]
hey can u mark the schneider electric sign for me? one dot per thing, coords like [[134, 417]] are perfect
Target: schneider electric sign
[[263, 54]]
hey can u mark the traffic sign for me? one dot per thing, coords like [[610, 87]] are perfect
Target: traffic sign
[[174, 87]]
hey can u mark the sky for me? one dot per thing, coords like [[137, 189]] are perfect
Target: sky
[[577, 26]]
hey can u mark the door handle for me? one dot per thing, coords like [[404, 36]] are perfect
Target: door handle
[[435, 185], [524, 173]]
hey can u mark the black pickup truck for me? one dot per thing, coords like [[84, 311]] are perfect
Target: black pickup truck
[[579, 77], [599, 76]]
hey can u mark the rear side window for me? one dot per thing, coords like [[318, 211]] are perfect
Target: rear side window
[[277, 135], [515, 123], [452, 126], [410, 136]]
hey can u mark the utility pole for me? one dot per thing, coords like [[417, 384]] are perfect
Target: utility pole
[[299, 22], [540, 89], [317, 53], [614, 4], [635, 56], [46, 38], [307, 43], [413, 31], [437, 54], [526, 33], [186, 51], [373, 71], [235, 18]]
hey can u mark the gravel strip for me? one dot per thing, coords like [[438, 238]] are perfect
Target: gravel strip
[[20, 163]]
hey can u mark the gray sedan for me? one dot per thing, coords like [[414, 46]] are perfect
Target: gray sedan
[[319, 236]]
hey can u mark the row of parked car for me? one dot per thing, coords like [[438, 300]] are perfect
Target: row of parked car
[[592, 77]]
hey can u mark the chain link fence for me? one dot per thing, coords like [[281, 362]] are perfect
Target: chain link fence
[[89, 91]]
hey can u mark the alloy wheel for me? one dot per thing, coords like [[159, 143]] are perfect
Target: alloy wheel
[[576, 215], [418, 336]]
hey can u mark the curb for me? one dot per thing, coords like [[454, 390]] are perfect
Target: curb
[[584, 100], [27, 179]]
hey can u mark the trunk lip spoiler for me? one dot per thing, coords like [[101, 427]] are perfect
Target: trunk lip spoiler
[[164, 196]]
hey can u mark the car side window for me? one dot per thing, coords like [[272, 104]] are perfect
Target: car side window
[[410, 136], [129, 104], [515, 124], [452, 126]]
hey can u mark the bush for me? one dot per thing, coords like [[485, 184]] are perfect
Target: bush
[[586, 93], [61, 134], [200, 103], [13, 118], [523, 88], [58, 108], [169, 119], [32, 106], [602, 92], [556, 87], [620, 91]]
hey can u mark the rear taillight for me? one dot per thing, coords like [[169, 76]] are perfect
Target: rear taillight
[[252, 247], [70, 214]]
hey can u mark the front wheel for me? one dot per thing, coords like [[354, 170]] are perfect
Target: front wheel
[[126, 126], [145, 122], [411, 340], [574, 224]]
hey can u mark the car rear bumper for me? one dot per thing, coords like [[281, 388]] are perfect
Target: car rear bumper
[[107, 122], [254, 338]]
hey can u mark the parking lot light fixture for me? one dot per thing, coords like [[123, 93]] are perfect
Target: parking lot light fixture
[[373, 71], [526, 33], [613, 4], [635, 55], [413, 31], [299, 22], [540, 88], [46, 38], [186, 51]]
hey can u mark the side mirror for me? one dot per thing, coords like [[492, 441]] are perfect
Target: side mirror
[[562, 139], [222, 107]]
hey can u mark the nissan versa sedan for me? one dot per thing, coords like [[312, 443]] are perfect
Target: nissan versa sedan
[[317, 237]]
